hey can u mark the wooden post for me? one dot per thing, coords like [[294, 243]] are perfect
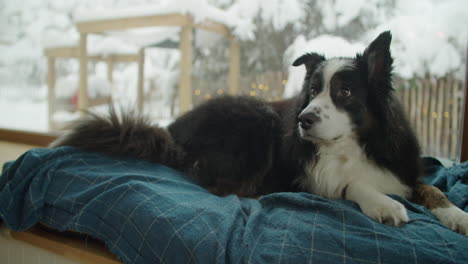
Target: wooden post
[[420, 112], [408, 98], [110, 69], [464, 137], [446, 117], [185, 82], [51, 90], [426, 122], [440, 117], [402, 92], [432, 115], [455, 115], [414, 106], [141, 79], [83, 89], [234, 67]]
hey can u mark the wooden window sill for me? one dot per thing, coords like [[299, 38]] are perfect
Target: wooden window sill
[[71, 245], [29, 138], [74, 246]]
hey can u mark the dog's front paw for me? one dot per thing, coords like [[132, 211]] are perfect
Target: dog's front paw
[[454, 218], [386, 211]]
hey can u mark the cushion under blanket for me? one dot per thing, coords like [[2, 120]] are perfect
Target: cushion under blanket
[[149, 213]]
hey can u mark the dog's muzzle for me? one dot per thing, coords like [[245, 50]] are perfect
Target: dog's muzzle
[[306, 120]]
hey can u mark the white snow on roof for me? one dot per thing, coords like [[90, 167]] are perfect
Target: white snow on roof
[[199, 9], [109, 45], [147, 36]]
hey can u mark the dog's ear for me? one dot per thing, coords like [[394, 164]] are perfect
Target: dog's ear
[[378, 58], [310, 60]]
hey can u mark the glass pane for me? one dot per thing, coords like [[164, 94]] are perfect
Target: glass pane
[[429, 47]]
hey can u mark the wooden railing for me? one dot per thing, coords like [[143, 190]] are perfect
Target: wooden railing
[[434, 108]]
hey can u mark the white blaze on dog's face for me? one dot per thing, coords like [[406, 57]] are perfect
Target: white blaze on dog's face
[[329, 113], [335, 92], [326, 121]]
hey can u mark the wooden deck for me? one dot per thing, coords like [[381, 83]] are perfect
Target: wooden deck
[[187, 24]]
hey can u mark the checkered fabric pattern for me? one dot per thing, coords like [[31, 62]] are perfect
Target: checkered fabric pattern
[[148, 213]]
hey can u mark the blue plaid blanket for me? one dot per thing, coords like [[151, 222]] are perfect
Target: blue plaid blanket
[[149, 213]]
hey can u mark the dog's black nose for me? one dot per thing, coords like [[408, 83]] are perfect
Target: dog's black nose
[[306, 120]]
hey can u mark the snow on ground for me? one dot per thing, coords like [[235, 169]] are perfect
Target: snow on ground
[[23, 114], [31, 114], [67, 87]]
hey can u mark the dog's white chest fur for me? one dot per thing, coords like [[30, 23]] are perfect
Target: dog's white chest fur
[[342, 162]]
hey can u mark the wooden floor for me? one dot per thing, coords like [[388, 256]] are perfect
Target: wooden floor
[[11, 151]]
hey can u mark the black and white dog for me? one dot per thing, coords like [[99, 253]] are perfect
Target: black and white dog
[[345, 136]]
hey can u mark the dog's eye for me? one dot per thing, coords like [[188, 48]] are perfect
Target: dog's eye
[[345, 92], [313, 92]]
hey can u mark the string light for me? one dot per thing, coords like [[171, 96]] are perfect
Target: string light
[[446, 114], [263, 93], [434, 115]]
